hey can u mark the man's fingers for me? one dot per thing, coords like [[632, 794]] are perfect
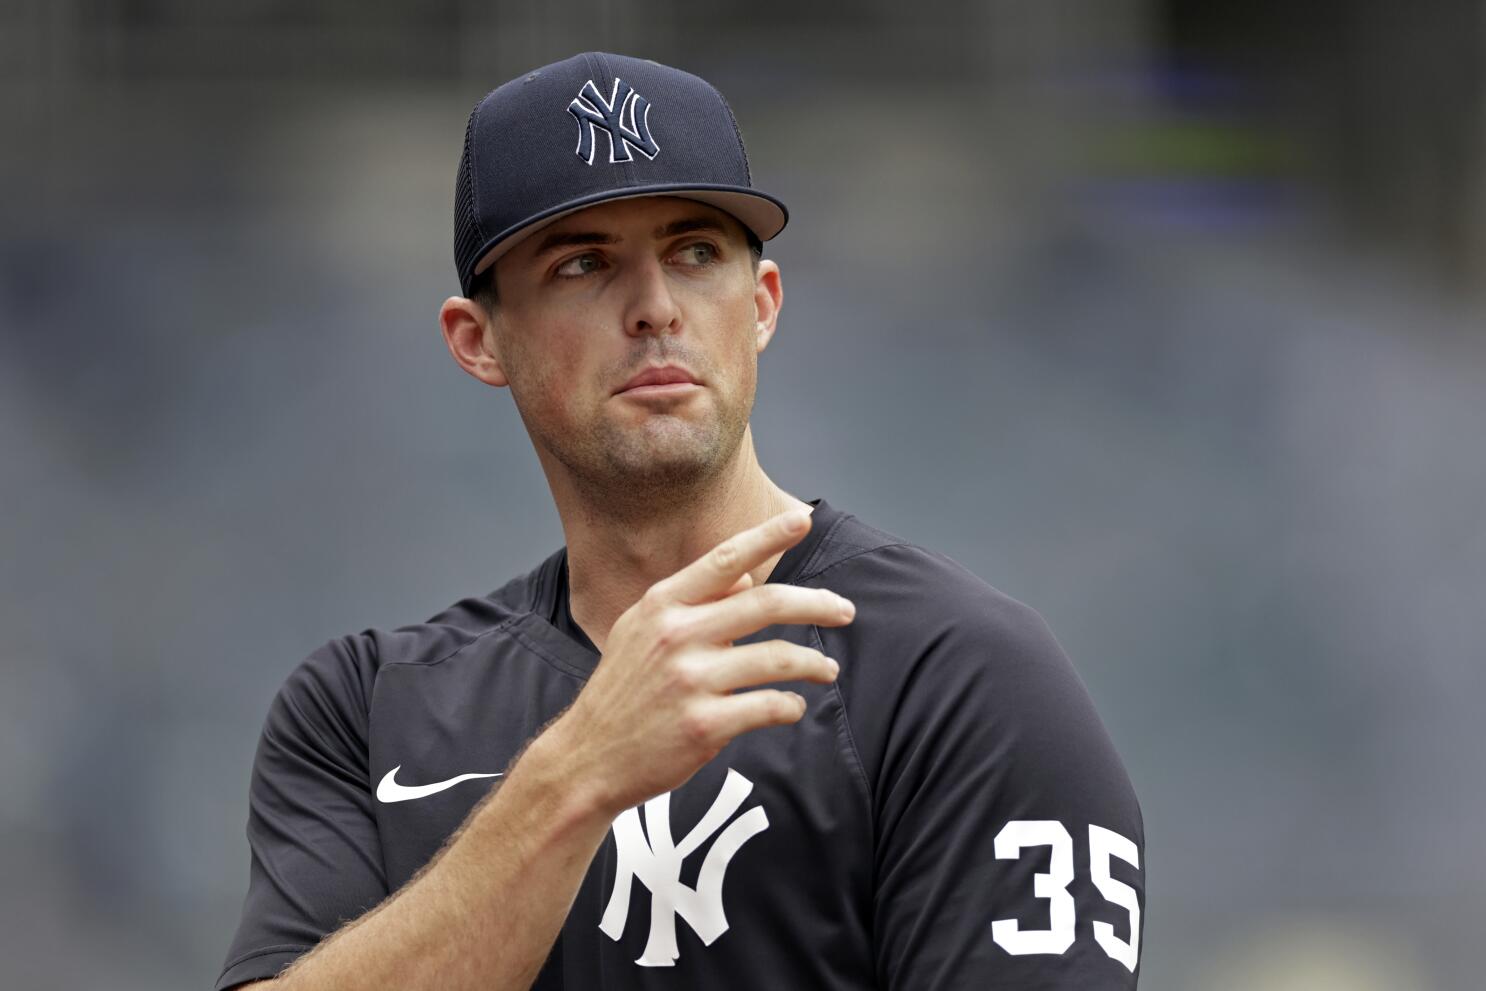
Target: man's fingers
[[712, 574], [719, 720], [749, 611], [741, 585], [752, 664]]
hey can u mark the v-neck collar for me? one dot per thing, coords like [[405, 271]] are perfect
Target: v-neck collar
[[580, 659]]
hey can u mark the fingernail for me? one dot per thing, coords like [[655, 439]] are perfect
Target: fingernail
[[835, 668], [797, 521], [848, 608]]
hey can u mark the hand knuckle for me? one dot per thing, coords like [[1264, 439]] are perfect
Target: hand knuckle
[[670, 630], [685, 677], [725, 556], [771, 598], [696, 726]]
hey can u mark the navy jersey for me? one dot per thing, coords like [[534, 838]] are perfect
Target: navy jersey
[[950, 813]]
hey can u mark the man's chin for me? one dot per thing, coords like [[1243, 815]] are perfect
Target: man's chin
[[668, 466], [665, 454]]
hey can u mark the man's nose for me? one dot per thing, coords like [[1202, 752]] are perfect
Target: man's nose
[[650, 307]]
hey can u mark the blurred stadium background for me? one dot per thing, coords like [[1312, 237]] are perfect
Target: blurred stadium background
[[1166, 317]]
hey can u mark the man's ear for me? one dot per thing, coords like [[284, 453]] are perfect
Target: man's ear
[[471, 338], [768, 297]]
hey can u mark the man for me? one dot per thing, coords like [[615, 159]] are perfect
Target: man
[[578, 780]]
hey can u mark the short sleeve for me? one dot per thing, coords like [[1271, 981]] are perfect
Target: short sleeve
[[1010, 844], [315, 861]]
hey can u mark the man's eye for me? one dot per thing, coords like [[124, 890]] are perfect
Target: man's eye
[[700, 253], [578, 265]]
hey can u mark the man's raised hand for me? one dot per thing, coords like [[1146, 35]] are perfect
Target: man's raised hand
[[662, 700]]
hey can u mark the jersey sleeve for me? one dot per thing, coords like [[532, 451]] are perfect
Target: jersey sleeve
[[315, 860], [1009, 841]]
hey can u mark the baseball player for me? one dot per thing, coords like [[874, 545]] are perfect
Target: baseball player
[[724, 737]]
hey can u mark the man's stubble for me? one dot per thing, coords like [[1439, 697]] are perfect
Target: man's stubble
[[625, 462]]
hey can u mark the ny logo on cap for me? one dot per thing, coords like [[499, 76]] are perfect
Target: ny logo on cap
[[625, 117]]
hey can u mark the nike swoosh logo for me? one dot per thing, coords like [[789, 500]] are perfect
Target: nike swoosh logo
[[390, 791]]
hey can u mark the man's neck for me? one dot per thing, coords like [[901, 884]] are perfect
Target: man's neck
[[612, 560]]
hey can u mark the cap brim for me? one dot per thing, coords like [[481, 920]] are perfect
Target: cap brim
[[759, 212]]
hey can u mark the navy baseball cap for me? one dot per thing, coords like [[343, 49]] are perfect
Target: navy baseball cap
[[592, 128]]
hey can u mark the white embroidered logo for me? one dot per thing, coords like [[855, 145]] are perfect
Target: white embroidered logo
[[388, 790], [657, 863], [624, 117]]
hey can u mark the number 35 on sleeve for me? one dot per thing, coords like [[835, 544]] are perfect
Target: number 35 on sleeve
[[1052, 885]]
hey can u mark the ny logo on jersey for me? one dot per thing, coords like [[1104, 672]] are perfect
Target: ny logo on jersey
[[624, 117], [657, 863]]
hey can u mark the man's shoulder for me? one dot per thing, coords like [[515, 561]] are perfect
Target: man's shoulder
[[891, 578], [346, 667], [456, 626]]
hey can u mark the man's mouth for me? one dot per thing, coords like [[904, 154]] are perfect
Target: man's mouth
[[661, 380]]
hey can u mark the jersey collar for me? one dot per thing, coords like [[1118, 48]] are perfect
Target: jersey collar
[[550, 578]]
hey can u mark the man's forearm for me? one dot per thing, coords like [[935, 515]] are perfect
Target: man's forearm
[[486, 911]]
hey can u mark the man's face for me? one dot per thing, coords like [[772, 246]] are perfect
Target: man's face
[[594, 299]]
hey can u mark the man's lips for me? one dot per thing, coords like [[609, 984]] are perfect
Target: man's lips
[[663, 375]]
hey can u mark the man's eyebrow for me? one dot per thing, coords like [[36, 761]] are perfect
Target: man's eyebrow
[[566, 239], [687, 226]]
